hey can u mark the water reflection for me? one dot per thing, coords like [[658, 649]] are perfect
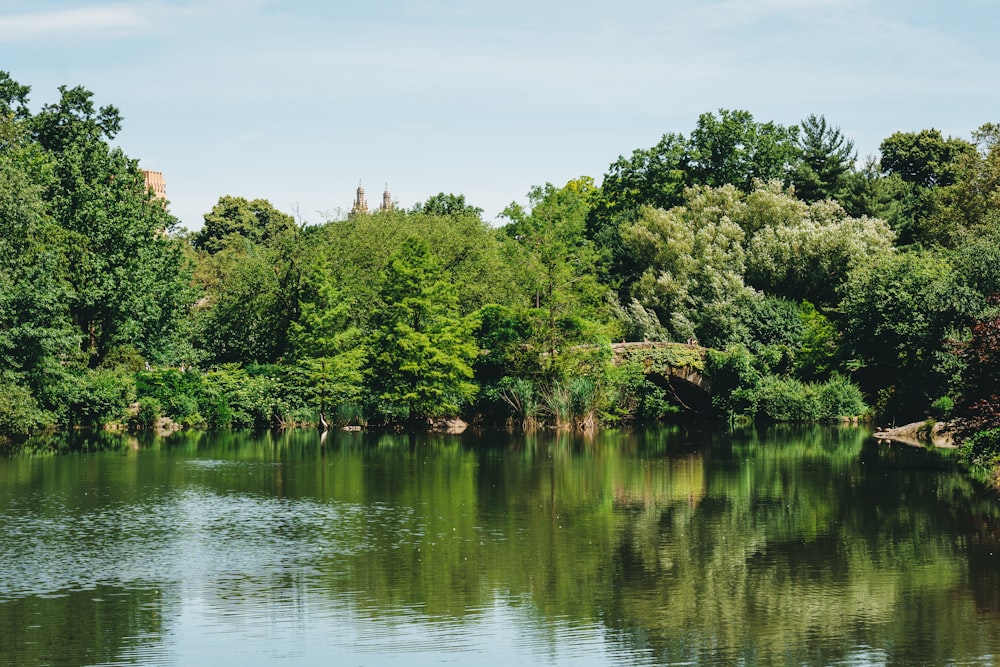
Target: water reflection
[[789, 546]]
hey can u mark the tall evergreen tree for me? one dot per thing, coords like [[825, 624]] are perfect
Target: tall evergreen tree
[[421, 351], [824, 159]]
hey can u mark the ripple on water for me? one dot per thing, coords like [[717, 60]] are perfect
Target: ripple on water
[[192, 535]]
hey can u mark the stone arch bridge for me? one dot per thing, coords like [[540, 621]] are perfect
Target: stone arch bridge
[[679, 367]]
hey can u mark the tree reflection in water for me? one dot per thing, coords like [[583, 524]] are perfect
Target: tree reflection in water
[[808, 545]]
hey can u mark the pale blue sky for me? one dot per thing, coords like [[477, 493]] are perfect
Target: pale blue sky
[[295, 101]]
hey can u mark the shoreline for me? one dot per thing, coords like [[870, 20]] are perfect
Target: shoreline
[[920, 434]]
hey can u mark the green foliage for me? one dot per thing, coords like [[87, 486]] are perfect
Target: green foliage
[[743, 385], [174, 391], [399, 315], [789, 400], [327, 342], [565, 303], [634, 397], [728, 149], [942, 408], [972, 202], [695, 256], [421, 351], [925, 158], [786, 400], [921, 168], [148, 413], [573, 403], [637, 322], [653, 177], [707, 260], [232, 396], [863, 193], [126, 357], [20, 414], [977, 258], [981, 357], [129, 284], [774, 322], [661, 359], [359, 249], [248, 312], [734, 381], [824, 160], [734, 149], [808, 253], [519, 398], [584, 398], [817, 353], [899, 316], [791, 337], [253, 397], [982, 449], [100, 396], [839, 397], [234, 221], [213, 407], [87, 258], [504, 340], [443, 204]]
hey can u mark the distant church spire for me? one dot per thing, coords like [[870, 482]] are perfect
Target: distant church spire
[[360, 205], [386, 200]]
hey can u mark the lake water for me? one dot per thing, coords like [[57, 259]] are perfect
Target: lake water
[[795, 546]]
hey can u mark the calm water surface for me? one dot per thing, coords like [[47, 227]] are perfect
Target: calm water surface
[[812, 546]]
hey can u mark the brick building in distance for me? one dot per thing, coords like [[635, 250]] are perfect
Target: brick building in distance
[[155, 182]]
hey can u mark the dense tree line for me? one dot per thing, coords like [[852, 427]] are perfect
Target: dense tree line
[[822, 285]]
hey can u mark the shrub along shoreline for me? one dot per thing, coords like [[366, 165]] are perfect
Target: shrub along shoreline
[[284, 395]]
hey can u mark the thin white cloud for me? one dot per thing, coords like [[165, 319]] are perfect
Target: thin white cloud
[[112, 19], [87, 21]]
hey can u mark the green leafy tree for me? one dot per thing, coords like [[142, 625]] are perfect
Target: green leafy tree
[[326, 339], [924, 158], [900, 314], [802, 251], [477, 256], [503, 337], [246, 313], [971, 204], [920, 168], [448, 205], [818, 349], [774, 323], [734, 149], [864, 192], [420, 350], [130, 286], [695, 264], [977, 257], [558, 268], [240, 220], [13, 98], [87, 266], [654, 177], [39, 345], [979, 405], [252, 278], [730, 148]]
